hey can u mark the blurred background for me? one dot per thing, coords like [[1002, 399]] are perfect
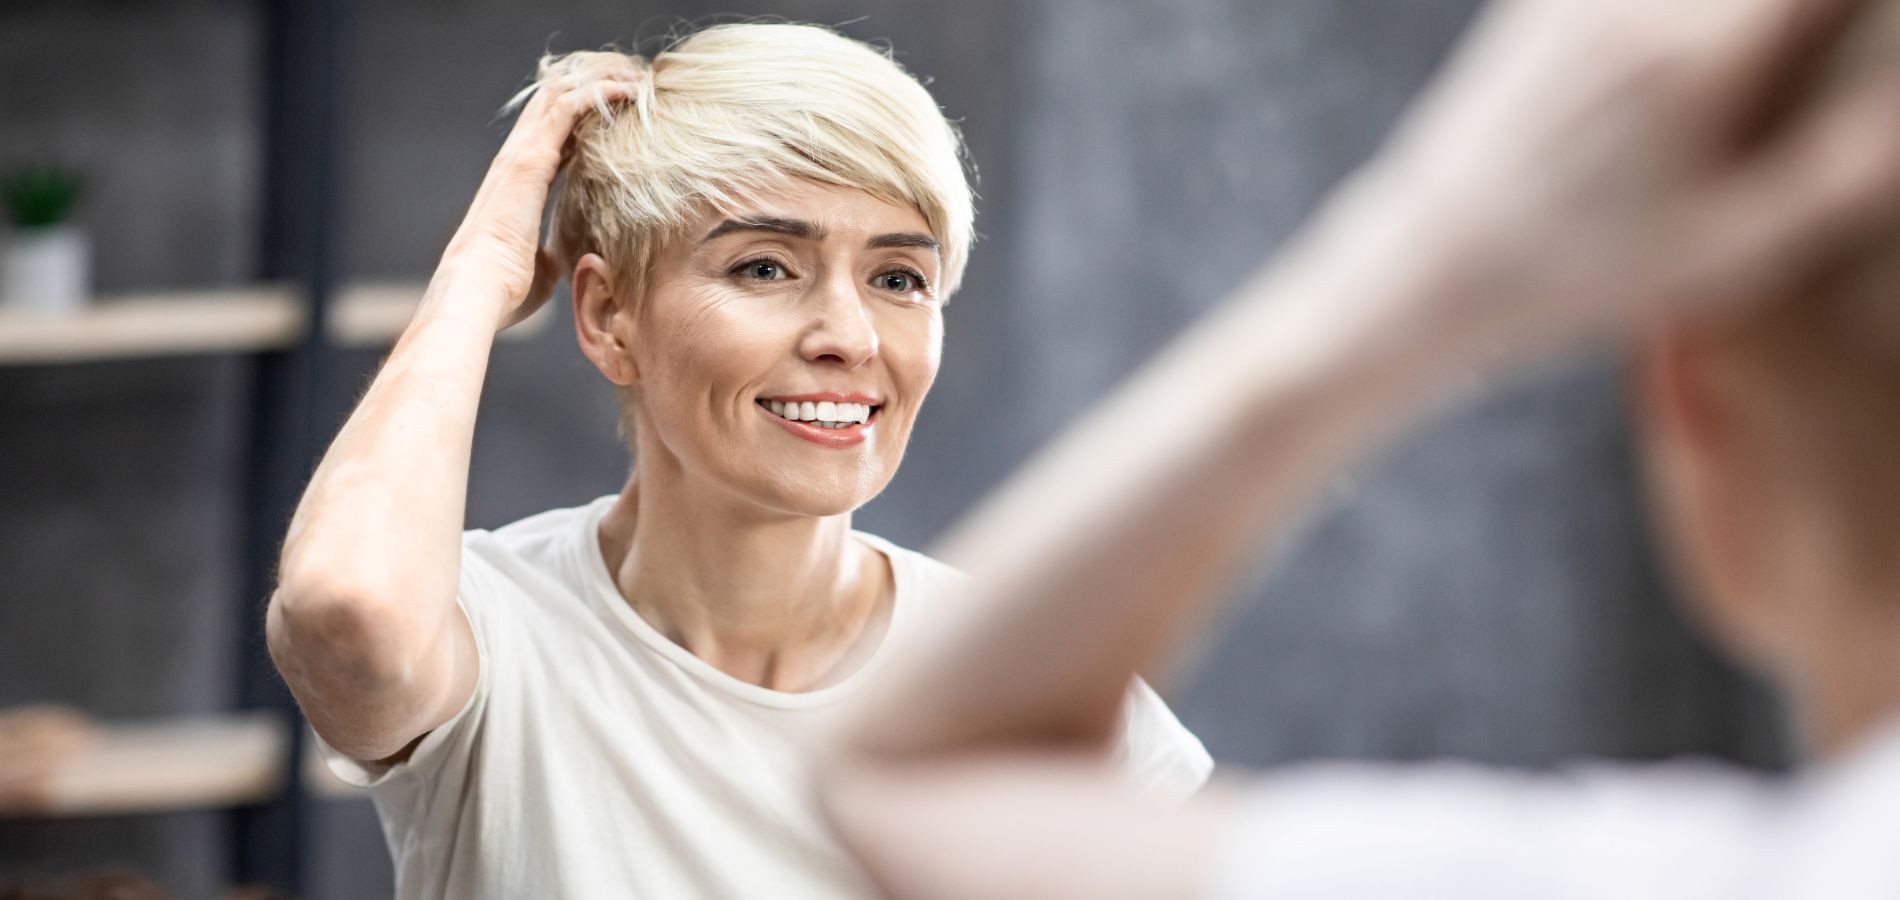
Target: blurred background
[[255, 190]]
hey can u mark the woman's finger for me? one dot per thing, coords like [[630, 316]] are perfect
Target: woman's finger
[[1818, 197], [1779, 50], [548, 120], [1783, 36]]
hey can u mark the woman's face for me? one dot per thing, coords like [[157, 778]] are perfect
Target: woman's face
[[783, 354]]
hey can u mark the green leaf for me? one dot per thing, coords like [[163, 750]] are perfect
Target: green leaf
[[40, 196]]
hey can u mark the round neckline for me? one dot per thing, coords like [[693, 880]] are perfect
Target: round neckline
[[605, 593]]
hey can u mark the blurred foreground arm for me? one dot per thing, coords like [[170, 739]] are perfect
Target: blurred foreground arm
[[1584, 171], [363, 622]]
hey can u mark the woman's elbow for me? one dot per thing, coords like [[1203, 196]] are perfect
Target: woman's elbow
[[348, 636]]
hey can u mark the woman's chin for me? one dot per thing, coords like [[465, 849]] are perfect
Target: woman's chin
[[816, 501], [819, 507]]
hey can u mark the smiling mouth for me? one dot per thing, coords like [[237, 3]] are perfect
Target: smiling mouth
[[822, 415]]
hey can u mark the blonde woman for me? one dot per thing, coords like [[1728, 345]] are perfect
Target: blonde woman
[[762, 226]]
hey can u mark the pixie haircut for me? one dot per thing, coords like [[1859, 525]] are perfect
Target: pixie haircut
[[734, 113]]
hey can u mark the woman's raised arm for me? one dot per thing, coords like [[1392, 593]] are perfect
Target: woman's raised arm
[[1585, 170], [363, 622]]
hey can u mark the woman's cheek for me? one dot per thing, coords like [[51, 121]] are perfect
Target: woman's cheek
[[918, 350]]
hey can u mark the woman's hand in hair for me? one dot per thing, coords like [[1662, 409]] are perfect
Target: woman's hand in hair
[[1593, 168], [363, 622], [499, 241]]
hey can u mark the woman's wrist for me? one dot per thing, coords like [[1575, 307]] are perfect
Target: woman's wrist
[[452, 328], [1385, 281], [455, 294]]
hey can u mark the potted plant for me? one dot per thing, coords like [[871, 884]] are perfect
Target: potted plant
[[45, 262]]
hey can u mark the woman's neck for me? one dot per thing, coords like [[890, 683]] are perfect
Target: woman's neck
[[1850, 690], [786, 602]]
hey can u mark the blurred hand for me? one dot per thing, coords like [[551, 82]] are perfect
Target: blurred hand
[[499, 241], [1602, 165]]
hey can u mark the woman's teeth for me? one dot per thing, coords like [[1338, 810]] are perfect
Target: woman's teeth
[[823, 415]]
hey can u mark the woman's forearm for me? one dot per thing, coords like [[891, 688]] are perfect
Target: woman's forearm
[[383, 512], [365, 599], [1107, 549]]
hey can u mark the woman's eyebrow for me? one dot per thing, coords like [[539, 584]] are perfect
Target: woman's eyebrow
[[798, 228], [903, 239]]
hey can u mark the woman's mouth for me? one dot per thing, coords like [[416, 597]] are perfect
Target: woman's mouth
[[829, 423], [822, 414]]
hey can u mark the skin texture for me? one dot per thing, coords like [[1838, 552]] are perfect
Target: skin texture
[[1656, 143]]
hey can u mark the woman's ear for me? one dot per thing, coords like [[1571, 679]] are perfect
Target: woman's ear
[[1674, 399], [1703, 500], [603, 321]]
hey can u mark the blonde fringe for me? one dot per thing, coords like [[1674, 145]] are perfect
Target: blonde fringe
[[740, 111]]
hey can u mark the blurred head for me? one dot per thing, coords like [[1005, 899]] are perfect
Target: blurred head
[[1773, 449], [778, 218]]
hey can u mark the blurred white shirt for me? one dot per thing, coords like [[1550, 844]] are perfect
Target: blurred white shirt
[[1681, 831]]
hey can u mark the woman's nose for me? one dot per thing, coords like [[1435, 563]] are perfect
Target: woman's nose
[[842, 332]]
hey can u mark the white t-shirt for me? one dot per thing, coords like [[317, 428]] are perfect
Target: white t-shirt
[[1679, 831], [597, 758]]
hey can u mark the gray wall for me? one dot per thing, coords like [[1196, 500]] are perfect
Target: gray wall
[[1483, 589]]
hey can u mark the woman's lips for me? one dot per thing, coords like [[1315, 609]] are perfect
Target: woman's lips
[[836, 438]]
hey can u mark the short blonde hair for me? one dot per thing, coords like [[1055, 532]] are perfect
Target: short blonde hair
[[736, 111]]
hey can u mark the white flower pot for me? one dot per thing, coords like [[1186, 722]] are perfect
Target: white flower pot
[[46, 270]]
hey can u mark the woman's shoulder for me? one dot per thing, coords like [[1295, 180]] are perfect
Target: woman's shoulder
[[544, 557], [536, 534], [929, 571]]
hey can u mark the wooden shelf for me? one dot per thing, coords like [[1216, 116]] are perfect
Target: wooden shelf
[[232, 320], [162, 765], [254, 318]]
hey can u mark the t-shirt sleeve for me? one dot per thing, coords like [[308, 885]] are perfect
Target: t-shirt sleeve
[[1339, 832], [1162, 757], [476, 595]]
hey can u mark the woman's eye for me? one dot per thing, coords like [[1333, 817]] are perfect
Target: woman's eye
[[761, 270], [901, 281]]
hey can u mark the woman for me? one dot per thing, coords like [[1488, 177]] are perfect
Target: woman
[[1688, 175], [609, 700]]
